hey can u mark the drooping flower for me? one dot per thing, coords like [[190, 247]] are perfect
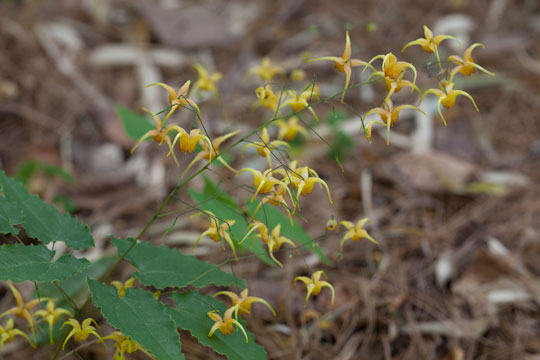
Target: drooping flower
[[430, 43], [344, 63], [8, 333], [298, 75], [315, 284], [188, 141], [243, 302], [225, 324], [331, 223], [22, 310], [447, 96], [267, 98], [466, 65], [124, 345], [205, 82], [266, 70], [300, 102], [51, 316], [218, 232], [80, 332], [303, 179], [276, 197], [290, 128], [275, 242], [355, 232], [263, 182], [178, 99], [265, 146], [389, 115]]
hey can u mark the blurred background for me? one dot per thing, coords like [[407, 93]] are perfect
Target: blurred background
[[455, 208]]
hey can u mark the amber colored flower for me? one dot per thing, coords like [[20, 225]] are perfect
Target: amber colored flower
[[430, 43], [267, 98], [210, 152], [290, 128], [277, 197], [243, 302], [124, 345], [159, 134], [178, 99], [275, 241], [298, 75], [188, 141], [218, 232], [225, 324], [355, 232], [315, 284], [22, 310], [262, 181], [205, 82], [122, 287], [331, 223], [389, 115], [300, 102], [466, 65], [266, 70], [303, 179], [344, 63], [447, 96], [265, 146], [80, 332], [8, 333], [51, 316]]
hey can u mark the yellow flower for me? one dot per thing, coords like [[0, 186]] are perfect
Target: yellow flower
[[178, 99], [300, 102], [393, 72], [466, 65], [205, 82], [218, 232], [210, 152], [51, 316], [290, 128], [275, 242], [159, 134], [276, 197], [7, 333], [266, 71], [124, 345], [430, 43], [265, 147], [298, 75], [81, 332], [243, 302], [315, 284], [355, 232], [188, 142], [344, 63], [22, 310], [331, 223], [389, 115], [303, 179], [447, 96], [263, 182], [225, 324], [267, 98], [122, 287]]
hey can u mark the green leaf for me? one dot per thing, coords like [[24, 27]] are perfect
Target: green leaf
[[141, 317], [191, 314], [135, 125], [9, 215], [162, 267], [34, 263], [43, 221], [28, 168], [272, 216], [226, 208]]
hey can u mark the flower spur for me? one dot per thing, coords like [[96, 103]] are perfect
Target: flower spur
[[80, 332], [355, 232], [8, 333], [51, 316], [290, 128], [344, 63], [315, 284], [466, 65], [430, 43], [205, 82], [217, 231], [265, 146], [266, 70], [178, 99]]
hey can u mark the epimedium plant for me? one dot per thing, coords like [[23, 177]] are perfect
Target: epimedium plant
[[167, 290]]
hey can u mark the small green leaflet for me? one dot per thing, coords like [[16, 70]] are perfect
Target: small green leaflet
[[10, 215], [43, 221], [162, 267], [34, 263], [191, 314], [141, 317], [135, 125]]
